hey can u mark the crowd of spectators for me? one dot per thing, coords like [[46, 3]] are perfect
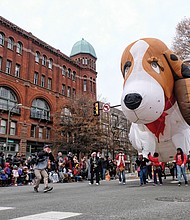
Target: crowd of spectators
[[18, 170]]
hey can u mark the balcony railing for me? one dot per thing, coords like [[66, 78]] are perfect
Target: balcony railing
[[40, 115], [7, 107]]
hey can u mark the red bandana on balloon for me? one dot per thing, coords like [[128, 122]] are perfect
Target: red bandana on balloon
[[157, 127]]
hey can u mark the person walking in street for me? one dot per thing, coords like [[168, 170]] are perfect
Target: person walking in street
[[141, 163], [95, 168], [40, 168], [156, 167], [121, 158], [181, 159]]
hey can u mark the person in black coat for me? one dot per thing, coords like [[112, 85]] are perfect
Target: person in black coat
[[142, 164], [95, 164]]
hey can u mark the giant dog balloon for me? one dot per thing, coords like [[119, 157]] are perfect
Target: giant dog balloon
[[150, 72]]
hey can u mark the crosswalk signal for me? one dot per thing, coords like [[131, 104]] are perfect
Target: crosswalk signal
[[96, 108]]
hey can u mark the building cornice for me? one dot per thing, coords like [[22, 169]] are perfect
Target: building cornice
[[35, 40]]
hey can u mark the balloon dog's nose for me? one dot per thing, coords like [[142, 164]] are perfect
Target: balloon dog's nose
[[132, 100]]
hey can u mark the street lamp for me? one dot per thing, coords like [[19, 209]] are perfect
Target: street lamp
[[8, 121]]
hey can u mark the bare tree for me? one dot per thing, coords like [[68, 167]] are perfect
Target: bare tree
[[76, 127], [181, 42]]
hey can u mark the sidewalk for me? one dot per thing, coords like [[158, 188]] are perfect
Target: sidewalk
[[131, 176]]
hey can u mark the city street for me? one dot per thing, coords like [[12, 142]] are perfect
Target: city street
[[107, 201]]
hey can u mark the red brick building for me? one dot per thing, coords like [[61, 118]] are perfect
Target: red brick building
[[35, 80]]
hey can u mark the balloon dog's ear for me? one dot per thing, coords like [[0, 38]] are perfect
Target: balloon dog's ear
[[179, 69]]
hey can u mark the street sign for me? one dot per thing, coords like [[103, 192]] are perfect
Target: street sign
[[106, 107]]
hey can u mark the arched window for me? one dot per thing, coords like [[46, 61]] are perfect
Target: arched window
[[91, 85], [50, 63], [37, 57], [74, 76], [69, 73], [85, 61], [85, 84], [8, 99], [64, 69], [19, 48], [2, 39], [40, 109], [44, 60], [10, 44], [66, 114]]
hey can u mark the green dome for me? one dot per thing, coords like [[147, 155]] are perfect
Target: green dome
[[82, 46]]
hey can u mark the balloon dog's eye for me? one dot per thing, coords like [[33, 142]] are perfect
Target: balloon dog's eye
[[155, 67], [127, 67]]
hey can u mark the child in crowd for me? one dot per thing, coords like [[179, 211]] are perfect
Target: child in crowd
[[15, 174], [25, 176], [8, 172], [3, 178], [76, 173], [156, 167], [107, 176]]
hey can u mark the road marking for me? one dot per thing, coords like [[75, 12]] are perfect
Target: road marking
[[48, 216], [6, 208]]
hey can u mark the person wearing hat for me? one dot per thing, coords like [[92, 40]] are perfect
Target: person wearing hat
[[94, 168], [121, 158], [40, 168]]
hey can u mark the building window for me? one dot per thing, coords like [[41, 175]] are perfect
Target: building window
[[44, 60], [50, 64], [94, 85], [85, 84], [10, 44], [43, 81], [114, 121], [48, 130], [64, 70], [74, 93], [17, 70], [85, 61], [69, 91], [1, 60], [74, 76], [8, 99], [49, 83], [37, 57], [2, 39], [91, 85], [69, 73], [3, 127], [33, 131], [36, 78], [8, 67], [19, 48], [63, 89], [13, 128], [40, 133], [40, 109]]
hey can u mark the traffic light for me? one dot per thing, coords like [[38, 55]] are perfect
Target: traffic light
[[96, 108]]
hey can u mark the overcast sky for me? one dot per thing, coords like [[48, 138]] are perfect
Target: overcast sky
[[108, 25]]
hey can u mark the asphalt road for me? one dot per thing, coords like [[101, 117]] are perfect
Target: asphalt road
[[89, 202]]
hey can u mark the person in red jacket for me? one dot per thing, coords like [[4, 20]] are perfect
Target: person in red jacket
[[181, 160], [156, 167], [120, 158]]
